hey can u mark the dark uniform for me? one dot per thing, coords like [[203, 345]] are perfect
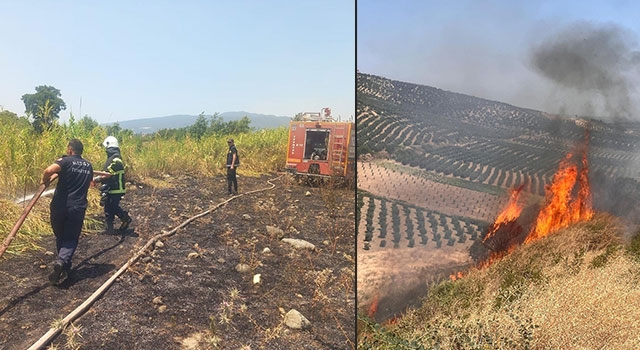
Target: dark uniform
[[113, 189], [68, 206], [233, 161]]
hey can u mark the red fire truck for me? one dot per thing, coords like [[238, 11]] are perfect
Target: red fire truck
[[319, 146]]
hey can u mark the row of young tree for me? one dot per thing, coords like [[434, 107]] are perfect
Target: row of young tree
[[204, 126], [441, 228]]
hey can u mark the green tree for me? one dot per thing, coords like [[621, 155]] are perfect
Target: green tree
[[87, 123], [238, 126], [216, 124], [10, 118], [199, 128], [118, 132], [114, 129], [43, 107]]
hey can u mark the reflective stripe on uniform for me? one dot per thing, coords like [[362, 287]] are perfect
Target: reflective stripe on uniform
[[120, 174]]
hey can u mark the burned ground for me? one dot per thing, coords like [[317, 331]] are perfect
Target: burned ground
[[185, 292]]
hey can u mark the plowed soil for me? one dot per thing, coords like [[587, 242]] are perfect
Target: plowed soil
[[185, 290]]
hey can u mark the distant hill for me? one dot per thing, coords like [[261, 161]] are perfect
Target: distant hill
[[151, 125], [492, 143]]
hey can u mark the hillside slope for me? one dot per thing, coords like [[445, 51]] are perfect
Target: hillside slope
[[437, 167], [490, 142], [576, 289], [151, 125]]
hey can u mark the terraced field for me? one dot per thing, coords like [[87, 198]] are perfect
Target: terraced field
[[387, 222], [395, 181], [435, 168]]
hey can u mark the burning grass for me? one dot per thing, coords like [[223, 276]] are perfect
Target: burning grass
[[558, 281], [574, 289], [567, 201]]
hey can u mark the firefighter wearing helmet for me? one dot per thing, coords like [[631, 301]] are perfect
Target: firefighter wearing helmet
[[113, 187]]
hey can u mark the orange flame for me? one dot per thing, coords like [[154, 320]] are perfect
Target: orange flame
[[582, 207], [373, 308], [393, 320], [456, 276], [567, 201], [509, 214], [561, 208]]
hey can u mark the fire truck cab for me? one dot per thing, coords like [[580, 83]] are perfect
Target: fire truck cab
[[320, 146]]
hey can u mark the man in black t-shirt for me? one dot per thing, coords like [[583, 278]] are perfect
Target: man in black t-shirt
[[68, 205], [233, 160]]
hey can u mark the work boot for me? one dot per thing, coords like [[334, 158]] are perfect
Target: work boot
[[58, 274], [108, 228], [126, 220]]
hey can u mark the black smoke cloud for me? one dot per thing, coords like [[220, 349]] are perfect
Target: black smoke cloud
[[594, 68]]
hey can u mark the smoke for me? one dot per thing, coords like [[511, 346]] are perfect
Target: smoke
[[594, 69]]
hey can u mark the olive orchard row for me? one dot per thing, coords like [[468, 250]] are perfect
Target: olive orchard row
[[434, 193], [387, 223]]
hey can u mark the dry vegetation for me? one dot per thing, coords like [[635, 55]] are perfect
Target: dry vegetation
[[576, 289], [196, 288]]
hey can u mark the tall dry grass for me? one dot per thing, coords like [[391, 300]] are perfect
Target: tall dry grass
[[260, 152], [24, 154], [576, 289]]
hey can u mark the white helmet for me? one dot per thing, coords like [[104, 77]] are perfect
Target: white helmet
[[110, 141]]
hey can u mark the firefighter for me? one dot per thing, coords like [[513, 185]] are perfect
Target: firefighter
[[68, 205], [233, 161], [113, 187]]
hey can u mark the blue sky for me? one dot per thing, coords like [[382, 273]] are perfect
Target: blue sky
[[122, 60], [487, 49]]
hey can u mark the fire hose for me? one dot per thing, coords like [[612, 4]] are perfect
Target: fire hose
[[77, 312], [25, 212]]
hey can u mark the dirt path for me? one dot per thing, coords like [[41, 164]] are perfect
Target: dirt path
[[187, 293]]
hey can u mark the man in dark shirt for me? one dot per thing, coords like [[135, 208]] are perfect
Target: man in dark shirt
[[68, 205], [233, 160]]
